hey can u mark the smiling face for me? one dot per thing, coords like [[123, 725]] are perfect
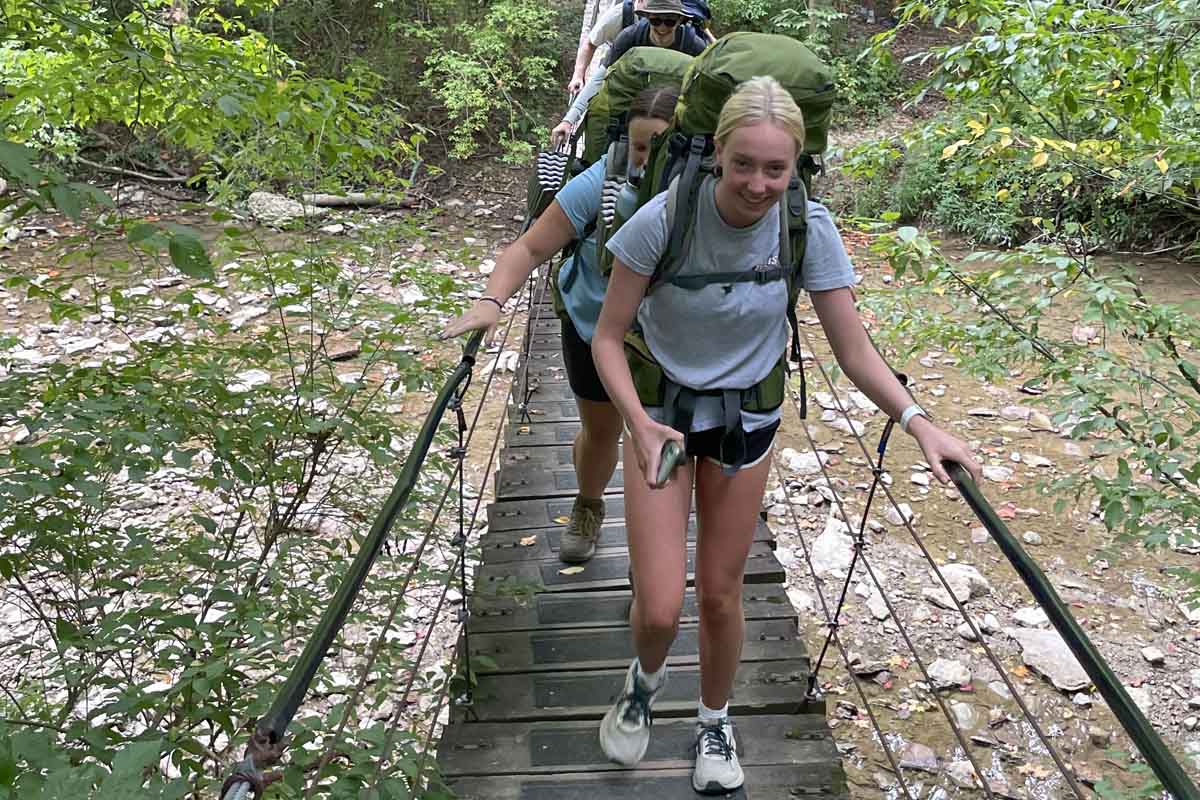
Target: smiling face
[[662, 29], [641, 131], [756, 164]]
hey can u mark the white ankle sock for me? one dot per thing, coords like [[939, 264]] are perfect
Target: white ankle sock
[[651, 680], [708, 715]]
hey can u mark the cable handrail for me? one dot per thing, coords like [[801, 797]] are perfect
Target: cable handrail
[[265, 745], [1168, 770]]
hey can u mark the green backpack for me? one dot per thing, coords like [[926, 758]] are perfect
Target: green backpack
[[638, 69], [682, 157], [604, 130]]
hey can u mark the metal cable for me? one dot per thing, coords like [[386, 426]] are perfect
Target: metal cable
[[380, 638], [1054, 754], [832, 625], [402, 705]]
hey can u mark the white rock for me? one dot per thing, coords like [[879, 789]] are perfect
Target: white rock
[[248, 379], [833, 550], [1154, 655], [1031, 617], [965, 581], [274, 209], [73, 346], [1031, 537], [962, 774], [1047, 654], [1014, 413], [990, 624], [898, 517], [920, 478], [803, 463], [945, 672], [847, 425], [998, 474], [245, 314], [1035, 460]]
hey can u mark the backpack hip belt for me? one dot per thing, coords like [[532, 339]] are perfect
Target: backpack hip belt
[[656, 390]]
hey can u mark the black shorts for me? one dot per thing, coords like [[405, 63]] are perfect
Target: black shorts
[[581, 370], [707, 444]]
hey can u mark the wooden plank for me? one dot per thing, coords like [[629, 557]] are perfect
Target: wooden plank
[[523, 481], [547, 391], [547, 410], [762, 783], [522, 514], [613, 648], [568, 610], [559, 455], [502, 546], [485, 748], [605, 571], [545, 341], [521, 435], [763, 687]]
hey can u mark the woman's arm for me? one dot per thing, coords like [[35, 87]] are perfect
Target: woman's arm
[[626, 289], [861, 362], [551, 232]]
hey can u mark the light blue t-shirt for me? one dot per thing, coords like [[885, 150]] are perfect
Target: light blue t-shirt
[[579, 279], [735, 333]]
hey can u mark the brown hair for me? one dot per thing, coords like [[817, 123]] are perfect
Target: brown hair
[[655, 102]]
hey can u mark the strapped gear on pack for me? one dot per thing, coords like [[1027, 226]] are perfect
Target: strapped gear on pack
[[680, 160], [606, 131]]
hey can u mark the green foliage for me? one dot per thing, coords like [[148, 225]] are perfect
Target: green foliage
[[477, 84], [1133, 393], [1068, 112], [221, 93], [867, 78], [175, 512]]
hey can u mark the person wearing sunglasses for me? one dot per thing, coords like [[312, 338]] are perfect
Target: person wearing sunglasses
[[660, 24]]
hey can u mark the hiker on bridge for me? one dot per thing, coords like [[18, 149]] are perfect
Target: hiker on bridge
[[617, 18], [571, 220], [660, 24], [703, 336]]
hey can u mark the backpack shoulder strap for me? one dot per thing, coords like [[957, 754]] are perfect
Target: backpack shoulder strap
[[793, 236], [682, 195], [627, 17]]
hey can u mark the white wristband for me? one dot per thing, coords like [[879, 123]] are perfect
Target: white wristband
[[912, 411]]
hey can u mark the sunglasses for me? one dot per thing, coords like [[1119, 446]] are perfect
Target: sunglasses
[[663, 22]]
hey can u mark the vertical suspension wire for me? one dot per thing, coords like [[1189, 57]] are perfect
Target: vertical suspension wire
[[834, 637], [1067, 774]]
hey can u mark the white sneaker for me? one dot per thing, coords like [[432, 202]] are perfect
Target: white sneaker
[[717, 769], [625, 730]]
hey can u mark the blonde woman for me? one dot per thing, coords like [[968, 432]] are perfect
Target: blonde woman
[[735, 334]]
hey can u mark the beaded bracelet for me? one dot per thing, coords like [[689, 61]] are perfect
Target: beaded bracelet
[[491, 299]]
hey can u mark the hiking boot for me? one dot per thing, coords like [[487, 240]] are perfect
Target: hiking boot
[[717, 770], [625, 729], [579, 540]]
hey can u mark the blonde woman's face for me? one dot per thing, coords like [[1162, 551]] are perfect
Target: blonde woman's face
[[641, 131], [756, 165]]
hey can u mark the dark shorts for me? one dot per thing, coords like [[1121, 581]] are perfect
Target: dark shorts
[[581, 370], [707, 444]]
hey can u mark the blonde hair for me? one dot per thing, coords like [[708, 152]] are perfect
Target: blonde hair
[[761, 99]]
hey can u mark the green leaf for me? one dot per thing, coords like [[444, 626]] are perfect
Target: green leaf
[[189, 257], [66, 200], [17, 160], [229, 105]]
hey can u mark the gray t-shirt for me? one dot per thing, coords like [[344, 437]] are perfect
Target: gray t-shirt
[[724, 336]]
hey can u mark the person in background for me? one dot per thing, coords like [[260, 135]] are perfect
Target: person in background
[[660, 25]]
